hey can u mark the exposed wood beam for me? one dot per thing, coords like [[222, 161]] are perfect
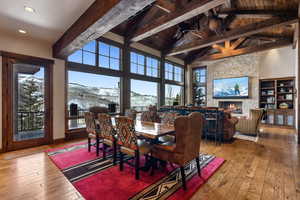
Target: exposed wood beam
[[234, 34], [257, 13], [218, 47], [99, 18], [237, 43], [267, 37], [243, 51], [191, 10], [165, 5]]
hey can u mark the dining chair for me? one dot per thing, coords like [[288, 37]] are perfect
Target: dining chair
[[129, 143], [131, 113], [93, 131], [187, 145], [151, 115], [108, 133], [167, 118], [98, 109]]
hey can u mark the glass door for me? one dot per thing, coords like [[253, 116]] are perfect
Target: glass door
[[28, 105]]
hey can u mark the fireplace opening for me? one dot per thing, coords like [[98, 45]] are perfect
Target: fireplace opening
[[235, 107]]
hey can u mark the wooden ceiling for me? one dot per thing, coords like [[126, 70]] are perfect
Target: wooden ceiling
[[193, 30], [239, 14]]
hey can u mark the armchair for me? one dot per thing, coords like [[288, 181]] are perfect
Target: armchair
[[250, 125], [187, 146]]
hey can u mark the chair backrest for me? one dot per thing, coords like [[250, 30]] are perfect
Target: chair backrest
[[106, 128], [126, 132], [168, 117], [131, 113], [188, 136], [90, 122], [98, 109], [150, 116], [256, 115]]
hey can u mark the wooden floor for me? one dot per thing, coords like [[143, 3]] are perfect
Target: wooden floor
[[269, 169]]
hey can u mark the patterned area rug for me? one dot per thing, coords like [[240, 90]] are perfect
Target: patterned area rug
[[97, 178]]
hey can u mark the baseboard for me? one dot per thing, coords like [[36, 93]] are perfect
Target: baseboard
[[59, 140]]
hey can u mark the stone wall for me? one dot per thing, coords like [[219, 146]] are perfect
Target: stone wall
[[246, 65]]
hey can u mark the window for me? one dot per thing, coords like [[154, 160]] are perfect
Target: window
[[173, 72], [86, 90], [144, 65], [86, 55], [199, 86], [174, 95], [109, 56], [143, 94]]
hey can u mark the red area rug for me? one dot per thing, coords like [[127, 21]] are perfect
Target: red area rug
[[96, 178]]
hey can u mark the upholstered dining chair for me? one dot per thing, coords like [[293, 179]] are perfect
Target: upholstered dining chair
[[151, 115], [168, 118], [187, 145], [131, 113], [98, 109], [129, 143], [108, 133], [93, 131]]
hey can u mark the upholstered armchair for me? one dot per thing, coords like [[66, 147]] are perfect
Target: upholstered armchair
[[92, 130], [129, 143], [250, 125], [187, 146], [108, 133], [229, 126]]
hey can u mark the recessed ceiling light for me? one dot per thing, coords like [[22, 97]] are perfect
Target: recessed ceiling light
[[22, 31], [29, 9]]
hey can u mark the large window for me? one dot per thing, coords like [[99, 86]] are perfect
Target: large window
[[199, 86], [143, 94], [105, 56], [174, 72], [144, 65], [174, 95], [86, 90]]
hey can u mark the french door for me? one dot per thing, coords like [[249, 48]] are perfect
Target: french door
[[27, 113]]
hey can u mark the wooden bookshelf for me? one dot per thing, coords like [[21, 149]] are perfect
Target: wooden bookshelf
[[277, 97]]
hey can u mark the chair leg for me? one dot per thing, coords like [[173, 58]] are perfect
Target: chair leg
[[198, 166], [104, 151], [89, 144], [114, 153], [97, 146], [121, 161], [183, 177], [137, 165]]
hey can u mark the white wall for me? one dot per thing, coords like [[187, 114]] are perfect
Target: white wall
[[23, 45], [277, 63]]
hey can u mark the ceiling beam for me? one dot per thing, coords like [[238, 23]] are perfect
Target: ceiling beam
[[243, 51], [257, 13], [165, 5], [234, 34], [191, 10], [193, 56], [237, 43], [98, 19]]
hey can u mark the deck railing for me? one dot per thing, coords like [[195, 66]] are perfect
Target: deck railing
[[30, 121]]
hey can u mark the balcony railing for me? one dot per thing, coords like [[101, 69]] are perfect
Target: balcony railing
[[30, 121]]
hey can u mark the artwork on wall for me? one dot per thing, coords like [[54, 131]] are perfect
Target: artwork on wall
[[231, 88]]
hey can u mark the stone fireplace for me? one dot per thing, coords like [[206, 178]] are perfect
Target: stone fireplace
[[235, 107]]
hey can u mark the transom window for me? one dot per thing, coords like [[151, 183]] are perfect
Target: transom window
[[144, 65], [102, 54], [173, 72], [109, 56], [85, 55]]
